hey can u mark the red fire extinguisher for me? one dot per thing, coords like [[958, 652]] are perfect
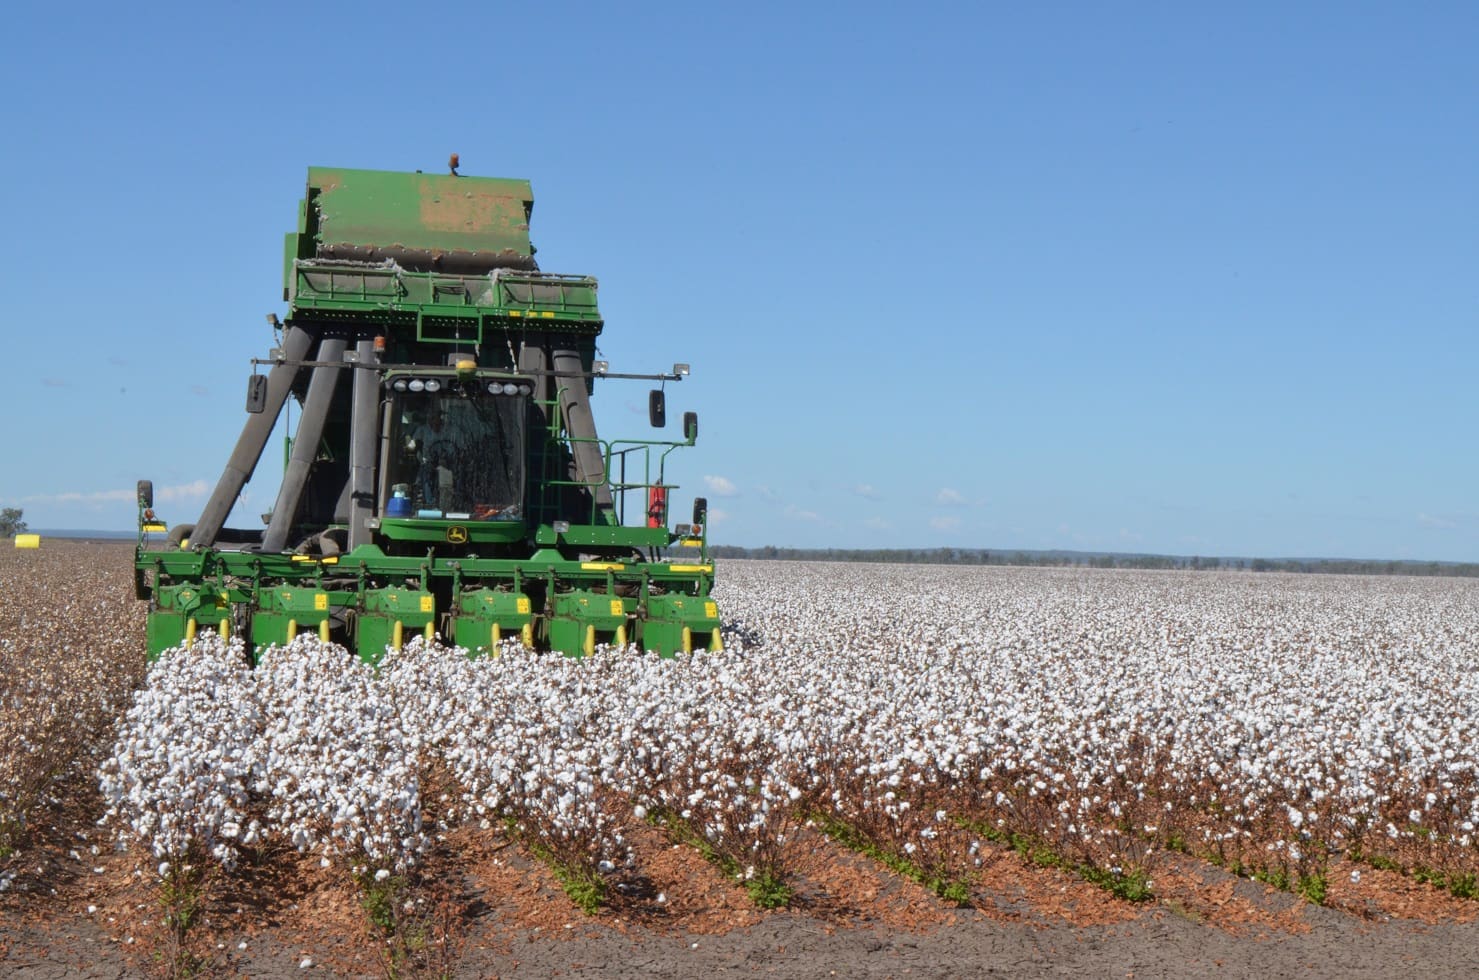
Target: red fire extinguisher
[[657, 506]]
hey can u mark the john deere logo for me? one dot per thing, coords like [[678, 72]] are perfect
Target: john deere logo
[[457, 534]]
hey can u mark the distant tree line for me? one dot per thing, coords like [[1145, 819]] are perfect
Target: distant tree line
[[1078, 559]]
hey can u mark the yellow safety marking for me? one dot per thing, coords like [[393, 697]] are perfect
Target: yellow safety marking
[[617, 609], [323, 630], [589, 646], [429, 633], [224, 629], [428, 603], [691, 543], [711, 610], [497, 636], [687, 640], [302, 558], [397, 634], [690, 568], [292, 629], [155, 526], [331, 560], [602, 566], [716, 645], [547, 315], [526, 636], [321, 601], [621, 635], [190, 630], [515, 313], [522, 604], [184, 544]]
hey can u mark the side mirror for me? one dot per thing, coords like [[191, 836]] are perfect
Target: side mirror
[[146, 494], [690, 426], [700, 511], [657, 409], [257, 394]]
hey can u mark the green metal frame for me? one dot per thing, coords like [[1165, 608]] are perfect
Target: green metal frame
[[286, 595]]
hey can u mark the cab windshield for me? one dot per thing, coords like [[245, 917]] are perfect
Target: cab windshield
[[457, 454]]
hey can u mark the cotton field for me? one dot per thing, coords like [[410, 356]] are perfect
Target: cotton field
[[1268, 724]]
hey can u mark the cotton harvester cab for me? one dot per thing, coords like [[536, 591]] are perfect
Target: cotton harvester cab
[[445, 475]]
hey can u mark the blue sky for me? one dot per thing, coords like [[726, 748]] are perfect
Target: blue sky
[[1146, 277]]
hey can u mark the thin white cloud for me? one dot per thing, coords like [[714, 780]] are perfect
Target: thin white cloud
[[1433, 520], [717, 515], [950, 497], [866, 491], [767, 493], [79, 497], [186, 491], [877, 524], [949, 523], [800, 514], [54, 382], [721, 486]]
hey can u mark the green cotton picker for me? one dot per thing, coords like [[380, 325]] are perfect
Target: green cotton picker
[[444, 475]]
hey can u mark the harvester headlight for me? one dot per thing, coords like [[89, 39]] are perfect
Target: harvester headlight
[[417, 384], [432, 384], [600, 367], [399, 384], [494, 388], [510, 389], [681, 370], [525, 390]]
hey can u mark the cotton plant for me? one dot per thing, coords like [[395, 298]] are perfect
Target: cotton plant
[[334, 758], [1267, 721], [183, 767]]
